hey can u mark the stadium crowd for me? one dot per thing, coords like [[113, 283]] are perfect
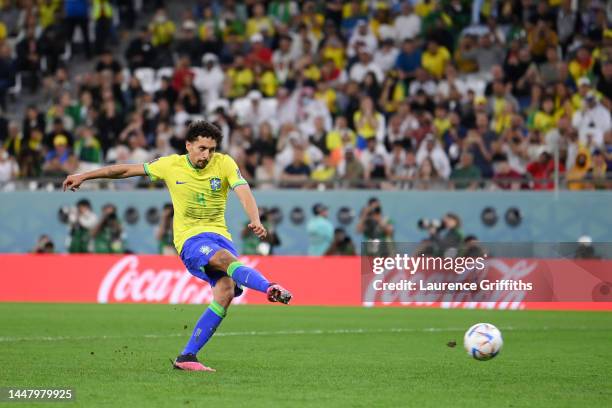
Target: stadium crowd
[[416, 94]]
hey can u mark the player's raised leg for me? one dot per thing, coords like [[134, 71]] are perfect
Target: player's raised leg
[[251, 278], [223, 293]]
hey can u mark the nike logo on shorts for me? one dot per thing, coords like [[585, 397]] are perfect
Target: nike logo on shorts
[[181, 182]]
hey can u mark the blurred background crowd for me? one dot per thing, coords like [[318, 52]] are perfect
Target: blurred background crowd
[[422, 94]]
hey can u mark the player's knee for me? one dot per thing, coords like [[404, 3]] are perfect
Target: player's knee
[[222, 260]]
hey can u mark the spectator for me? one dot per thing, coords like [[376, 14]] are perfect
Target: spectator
[[140, 52], [507, 178], [599, 171], [592, 115], [408, 24], [162, 34], [77, 15], [211, 82], [431, 149], [409, 59], [60, 161], [375, 161], [466, 174], [188, 44], [28, 59], [578, 172], [386, 56], [7, 73], [324, 171], [297, 172], [350, 168], [369, 123], [362, 40], [435, 59], [267, 174], [102, 14], [320, 231], [87, 150], [541, 171], [364, 65], [259, 23], [9, 169], [340, 137]]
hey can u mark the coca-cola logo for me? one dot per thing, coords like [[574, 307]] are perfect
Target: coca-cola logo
[[125, 282]]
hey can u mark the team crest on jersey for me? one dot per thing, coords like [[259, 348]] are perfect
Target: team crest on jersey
[[205, 249], [215, 184]]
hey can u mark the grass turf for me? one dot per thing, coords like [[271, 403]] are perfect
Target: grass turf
[[118, 355]]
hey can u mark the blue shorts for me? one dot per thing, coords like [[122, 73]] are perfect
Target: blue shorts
[[197, 252]]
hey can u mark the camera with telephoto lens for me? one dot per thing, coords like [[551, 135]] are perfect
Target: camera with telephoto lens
[[427, 224]]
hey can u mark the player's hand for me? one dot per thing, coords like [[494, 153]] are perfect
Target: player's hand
[[258, 230], [73, 182]]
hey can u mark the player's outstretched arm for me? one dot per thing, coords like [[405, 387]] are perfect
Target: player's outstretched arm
[[116, 171], [245, 195]]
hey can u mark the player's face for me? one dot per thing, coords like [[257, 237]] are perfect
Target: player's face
[[201, 151]]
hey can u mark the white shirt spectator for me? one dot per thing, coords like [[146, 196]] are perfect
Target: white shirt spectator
[[428, 86], [307, 110], [363, 35], [368, 156], [407, 26], [8, 167], [312, 154], [210, 82], [282, 61], [444, 87], [597, 116], [254, 109], [359, 71], [437, 155], [385, 58], [591, 137]]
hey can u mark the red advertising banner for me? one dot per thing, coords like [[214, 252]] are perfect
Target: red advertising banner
[[332, 281]]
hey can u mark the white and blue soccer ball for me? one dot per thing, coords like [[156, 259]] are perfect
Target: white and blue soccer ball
[[483, 341]]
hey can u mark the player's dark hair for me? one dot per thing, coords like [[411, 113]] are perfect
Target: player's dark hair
[[202, 128]]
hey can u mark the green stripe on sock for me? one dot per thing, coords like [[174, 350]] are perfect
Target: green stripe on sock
[[217, 309], [233, 266]]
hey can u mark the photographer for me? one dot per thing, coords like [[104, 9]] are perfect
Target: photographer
[[44, 245], [445, 236], [471, 247], [108, 234], [375, 228], [342, 244], [252, 245], [164, 233], [81, 220]]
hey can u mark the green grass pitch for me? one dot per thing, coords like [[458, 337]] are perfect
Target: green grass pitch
[[119, 355]]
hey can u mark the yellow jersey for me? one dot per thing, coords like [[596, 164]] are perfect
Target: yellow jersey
[[199, 196]]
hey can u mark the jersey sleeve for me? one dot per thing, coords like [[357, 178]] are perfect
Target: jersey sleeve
[[157, 169], [232, 173]]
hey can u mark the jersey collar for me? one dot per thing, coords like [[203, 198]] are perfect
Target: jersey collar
[[190, 164]]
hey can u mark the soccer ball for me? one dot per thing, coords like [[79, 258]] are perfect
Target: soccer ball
[[483, 341]]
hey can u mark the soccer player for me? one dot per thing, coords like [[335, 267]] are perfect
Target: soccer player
[[199, 183]]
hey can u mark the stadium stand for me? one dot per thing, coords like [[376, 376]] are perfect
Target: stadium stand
[[367, 94]]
